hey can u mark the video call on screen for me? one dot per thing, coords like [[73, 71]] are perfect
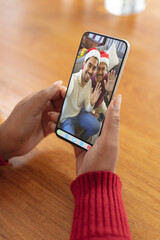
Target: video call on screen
[[90, 88]]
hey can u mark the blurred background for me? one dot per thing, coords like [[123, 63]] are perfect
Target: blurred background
[[38, 45]]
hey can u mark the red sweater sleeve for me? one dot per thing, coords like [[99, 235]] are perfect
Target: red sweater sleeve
[[2, 161], [99, 211]]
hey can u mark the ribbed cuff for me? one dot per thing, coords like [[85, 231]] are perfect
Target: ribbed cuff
[[99, 211]]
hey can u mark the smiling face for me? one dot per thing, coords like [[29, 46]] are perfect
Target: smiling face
[[89, 68], [101, 71]]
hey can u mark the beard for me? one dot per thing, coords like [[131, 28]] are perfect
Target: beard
[[87, 76], [99, 77]]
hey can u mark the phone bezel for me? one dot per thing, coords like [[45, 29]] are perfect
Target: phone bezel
[[114, 89]]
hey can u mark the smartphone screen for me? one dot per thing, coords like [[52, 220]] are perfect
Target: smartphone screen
[[97, 69]]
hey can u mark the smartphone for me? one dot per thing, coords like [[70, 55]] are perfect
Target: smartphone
[[94, 79]]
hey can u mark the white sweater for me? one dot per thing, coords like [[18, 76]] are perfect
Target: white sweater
[[76, 97]]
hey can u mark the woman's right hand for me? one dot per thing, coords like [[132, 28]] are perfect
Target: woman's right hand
[[103, 155]]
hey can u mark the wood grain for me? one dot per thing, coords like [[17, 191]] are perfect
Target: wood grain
[[38, 44]]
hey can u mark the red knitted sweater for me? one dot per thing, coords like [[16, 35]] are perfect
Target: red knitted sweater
[[2, 161], [99, 211]]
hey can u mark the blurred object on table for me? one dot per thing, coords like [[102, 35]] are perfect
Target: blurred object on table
[[125, 7]]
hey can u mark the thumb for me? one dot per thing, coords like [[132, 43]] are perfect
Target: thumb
[[43, 96], [112, 121], [91, 90]]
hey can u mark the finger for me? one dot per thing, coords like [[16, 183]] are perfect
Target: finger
[[99, 93], [52, 127], [60, 94], [48, 129], [91, 90], [58, 100], [57, 105], [98, 85], [48, 107], [57, 84], [112, 121], [53, 116], [41, 98], [112, 74], [78, 151], [99, 90], [106, 83], [109, 75], [63, 91]]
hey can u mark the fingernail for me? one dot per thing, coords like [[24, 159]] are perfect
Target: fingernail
[[49, 113], [63, 87], [117, 102], [57, 84]]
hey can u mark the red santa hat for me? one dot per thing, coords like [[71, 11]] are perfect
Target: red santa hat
[[92, 52], [104, 57]]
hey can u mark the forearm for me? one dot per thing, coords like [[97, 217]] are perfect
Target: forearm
[[99, 211]]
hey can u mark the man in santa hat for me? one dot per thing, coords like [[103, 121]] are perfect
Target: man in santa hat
[[79, 100], [105, 81]]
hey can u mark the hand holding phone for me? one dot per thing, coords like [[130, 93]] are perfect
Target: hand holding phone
[[104, 154]]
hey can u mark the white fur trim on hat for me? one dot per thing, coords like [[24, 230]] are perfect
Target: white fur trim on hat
[[92, 53], [104, 60]]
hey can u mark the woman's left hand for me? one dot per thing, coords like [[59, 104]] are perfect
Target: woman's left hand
[[31, 120]]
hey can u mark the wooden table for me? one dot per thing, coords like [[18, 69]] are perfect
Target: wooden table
[[38, 44]]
